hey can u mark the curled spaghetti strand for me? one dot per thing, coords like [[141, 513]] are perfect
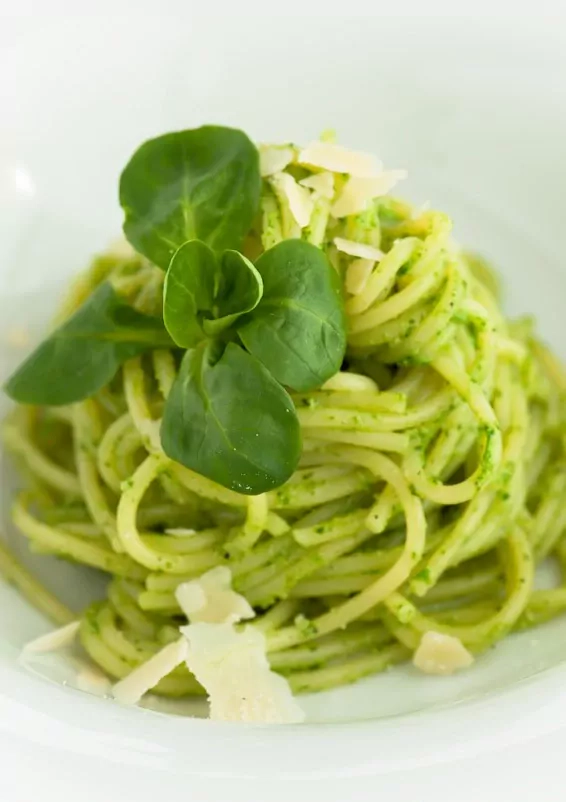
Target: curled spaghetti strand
[[431, 483]]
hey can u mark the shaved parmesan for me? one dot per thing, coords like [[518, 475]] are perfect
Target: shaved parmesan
[[274, 158], [337, 159], [56, 639], [358, 192], [131, 689], [211, 599], [321, 183], [298, 198], [358, 249], [357, 275], [441, 654], [233, 668]]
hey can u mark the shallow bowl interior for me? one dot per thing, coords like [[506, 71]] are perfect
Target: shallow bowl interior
[[482, 137]]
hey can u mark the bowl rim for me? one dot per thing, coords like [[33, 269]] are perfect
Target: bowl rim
[[41, 712]]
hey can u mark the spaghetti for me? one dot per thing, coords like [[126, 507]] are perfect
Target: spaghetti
[[431, 481]]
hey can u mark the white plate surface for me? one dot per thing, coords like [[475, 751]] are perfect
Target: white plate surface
[[477, 113]]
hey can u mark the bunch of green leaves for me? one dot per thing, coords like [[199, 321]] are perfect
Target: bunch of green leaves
[[248, 331]]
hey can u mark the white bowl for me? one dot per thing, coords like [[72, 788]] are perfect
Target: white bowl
[[479, 118]]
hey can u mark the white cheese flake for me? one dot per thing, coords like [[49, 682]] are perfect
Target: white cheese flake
[[211, 599], [358, 192], [322, 184], [51, 641], [357, 275], [298, 198], [233, 668], [274, 159], [146, 676], [358, 249], [338, 159], [441, 654]]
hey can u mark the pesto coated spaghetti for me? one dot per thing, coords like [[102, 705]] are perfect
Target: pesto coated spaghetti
[[430, 484]]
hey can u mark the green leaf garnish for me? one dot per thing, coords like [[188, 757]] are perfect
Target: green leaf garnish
[[202, 183], [204, 294], [241, 285], [189, 290], [298, 330], [227, 418], [190, 199], [227, 415], [83, 354]]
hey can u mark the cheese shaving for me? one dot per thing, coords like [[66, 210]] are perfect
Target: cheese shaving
[[358, 249], [233, 668], [274, 159], [358, 192], [211, 599], [321, 183], [298, 198], [338, 159], [357, 275], [441, 654], [146, 676], [51, 641]]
